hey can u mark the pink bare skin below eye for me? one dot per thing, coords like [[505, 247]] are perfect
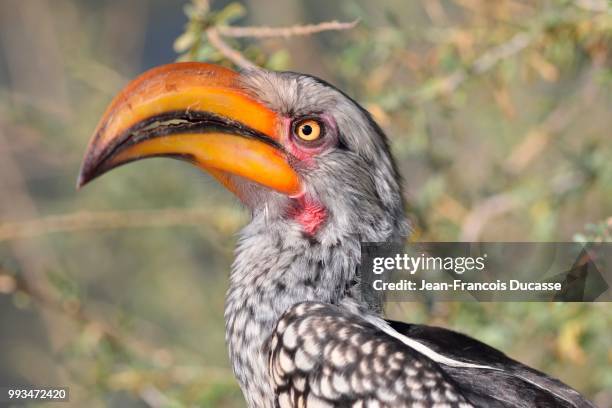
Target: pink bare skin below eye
[[310, 214], [302, 153]]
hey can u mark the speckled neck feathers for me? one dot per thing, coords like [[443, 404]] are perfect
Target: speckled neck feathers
[[278, 265]]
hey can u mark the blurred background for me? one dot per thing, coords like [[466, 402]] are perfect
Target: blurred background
[[499, 114]]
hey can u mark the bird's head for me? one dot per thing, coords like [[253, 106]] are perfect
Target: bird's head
[[290, 146]]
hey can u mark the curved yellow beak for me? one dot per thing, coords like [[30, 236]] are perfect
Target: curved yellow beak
[[196, 112]]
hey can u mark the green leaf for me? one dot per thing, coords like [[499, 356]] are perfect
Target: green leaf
[[184, 42], [279, 60], [231, 12]]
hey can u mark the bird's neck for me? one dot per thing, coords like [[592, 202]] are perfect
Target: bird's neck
[[278, 264], [273, 270]]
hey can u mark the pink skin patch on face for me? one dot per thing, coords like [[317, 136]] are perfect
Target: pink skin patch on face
[[309, 214]]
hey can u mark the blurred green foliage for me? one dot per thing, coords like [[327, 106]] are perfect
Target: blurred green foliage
[[498, 114]]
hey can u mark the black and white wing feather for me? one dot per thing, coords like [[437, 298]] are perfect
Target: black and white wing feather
[[323, 356], [509, 384]]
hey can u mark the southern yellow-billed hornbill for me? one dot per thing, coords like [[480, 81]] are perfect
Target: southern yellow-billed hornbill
[[318, 177]]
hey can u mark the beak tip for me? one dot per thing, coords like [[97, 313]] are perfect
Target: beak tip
[[85, 176], [81, 181]]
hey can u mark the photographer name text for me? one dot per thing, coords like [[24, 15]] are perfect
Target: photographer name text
[[459, 285]]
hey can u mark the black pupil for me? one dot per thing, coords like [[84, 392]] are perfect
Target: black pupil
[[307, 130]]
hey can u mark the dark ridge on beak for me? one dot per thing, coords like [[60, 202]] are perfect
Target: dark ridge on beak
[[169, 123]]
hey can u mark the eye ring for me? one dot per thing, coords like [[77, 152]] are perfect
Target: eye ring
[[308, 130]]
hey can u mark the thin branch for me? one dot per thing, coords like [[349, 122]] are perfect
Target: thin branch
[[154, 398], [15, 202], [483, 212], [84, 221], [594, 5], [230, 53], [482, 64], [49, 302], [42, 296], [286, 32], [215, 37], [505, 50], [538, 138]]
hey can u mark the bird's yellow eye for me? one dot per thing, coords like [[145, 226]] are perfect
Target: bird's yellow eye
[[308, 130]]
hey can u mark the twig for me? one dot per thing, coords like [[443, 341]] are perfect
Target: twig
[[104, 331], [215, 37], [483, 212], [594, 5], [481, 65], [83, 221], [286, 32], [43, 297], [489, 59], [153, 397], [538, 138], [230, 53], [15, 202]]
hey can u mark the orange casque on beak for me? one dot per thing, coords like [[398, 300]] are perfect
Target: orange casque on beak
[[196, 112]]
